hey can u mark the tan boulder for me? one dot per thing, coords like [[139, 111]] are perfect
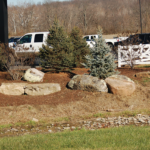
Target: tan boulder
[[120, 85], [87, 83], [33, 75], [12, 88], [42, 89], [143, 74]]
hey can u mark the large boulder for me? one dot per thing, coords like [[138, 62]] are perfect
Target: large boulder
[[42, 89], [12, 88], [33, 75], [87, 83], [143, 74], [120, 85]]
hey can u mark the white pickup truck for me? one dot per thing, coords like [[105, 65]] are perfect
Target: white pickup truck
[[31, 42], [110, 42]]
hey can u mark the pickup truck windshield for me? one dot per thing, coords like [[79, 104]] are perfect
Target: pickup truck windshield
[[26, 39], [11, 40], [86, 38]]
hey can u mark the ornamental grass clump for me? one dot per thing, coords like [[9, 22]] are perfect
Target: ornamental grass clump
[[100, 61]]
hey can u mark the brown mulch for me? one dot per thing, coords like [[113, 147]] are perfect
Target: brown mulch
[[64, 96], [71, 104]]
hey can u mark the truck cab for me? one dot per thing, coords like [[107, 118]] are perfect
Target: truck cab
[[90, 40], [31, 42]]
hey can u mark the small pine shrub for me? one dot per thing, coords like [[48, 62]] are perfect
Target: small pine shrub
[[101, 61], [80, 46], [58, 57]]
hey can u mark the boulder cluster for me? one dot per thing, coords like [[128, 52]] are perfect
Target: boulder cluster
[[29, 89], [31, 75], [116, 84]]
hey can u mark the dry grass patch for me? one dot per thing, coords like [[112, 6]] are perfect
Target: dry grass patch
[[91, 105]]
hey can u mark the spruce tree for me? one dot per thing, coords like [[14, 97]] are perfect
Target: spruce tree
[[58, 57], [101, 61], [80, 46]]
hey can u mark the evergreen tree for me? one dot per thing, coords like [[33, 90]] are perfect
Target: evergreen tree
[[101, 61], [58, 57], [80, 46]]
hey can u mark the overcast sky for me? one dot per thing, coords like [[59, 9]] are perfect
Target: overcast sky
[[17, 2]]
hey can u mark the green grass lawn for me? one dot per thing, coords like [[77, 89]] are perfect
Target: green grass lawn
[[122, 138]]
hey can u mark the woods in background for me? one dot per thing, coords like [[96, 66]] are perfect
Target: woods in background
[[114, 16]]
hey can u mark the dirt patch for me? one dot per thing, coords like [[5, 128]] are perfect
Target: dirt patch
[[70, 103]]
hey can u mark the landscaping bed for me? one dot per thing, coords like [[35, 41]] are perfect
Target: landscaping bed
[[66, 95], [71, 103]]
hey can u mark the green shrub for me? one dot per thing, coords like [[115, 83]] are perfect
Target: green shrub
[[80, 46], [101, 61], [58, 57]]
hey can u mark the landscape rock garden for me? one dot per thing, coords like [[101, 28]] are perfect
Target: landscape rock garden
[[57, 91], [93, 124], [116, 84], [31, 75], [100, 101]]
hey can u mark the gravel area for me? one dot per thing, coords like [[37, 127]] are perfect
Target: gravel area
[[92, 124]]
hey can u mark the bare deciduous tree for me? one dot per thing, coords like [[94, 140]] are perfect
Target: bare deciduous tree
[[114, 16], [13, 62]]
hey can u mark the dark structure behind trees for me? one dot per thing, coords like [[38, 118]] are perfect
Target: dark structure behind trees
[[3, 22]]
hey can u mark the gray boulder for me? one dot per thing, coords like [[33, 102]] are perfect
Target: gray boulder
[[33, 75], [120, 85], [87, 83]]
